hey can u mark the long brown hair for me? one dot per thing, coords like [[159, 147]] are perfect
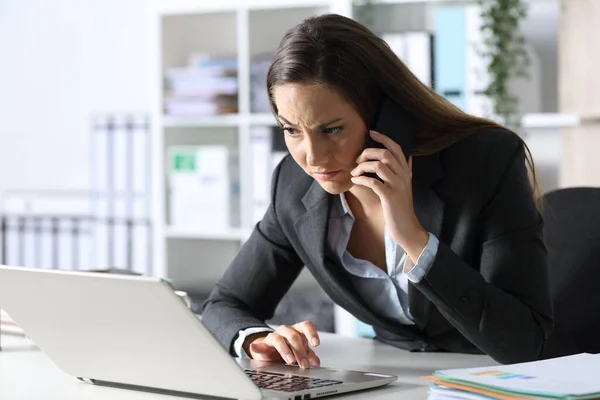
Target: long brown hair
[[345, 56]]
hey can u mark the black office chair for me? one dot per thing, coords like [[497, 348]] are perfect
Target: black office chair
[[572, 236]]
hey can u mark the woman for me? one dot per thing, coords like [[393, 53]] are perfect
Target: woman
[[444, 253]]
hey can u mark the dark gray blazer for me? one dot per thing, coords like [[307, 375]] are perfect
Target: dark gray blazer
[[487, 290]]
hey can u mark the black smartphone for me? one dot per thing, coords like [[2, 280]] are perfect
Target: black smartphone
[[396, 123]]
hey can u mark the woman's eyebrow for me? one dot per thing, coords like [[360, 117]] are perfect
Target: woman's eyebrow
[[284, 120], [320, 126]]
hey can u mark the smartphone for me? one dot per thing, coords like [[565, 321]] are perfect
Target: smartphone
[[396, 123]]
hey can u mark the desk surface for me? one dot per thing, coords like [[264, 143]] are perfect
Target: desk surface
[[26, 373]]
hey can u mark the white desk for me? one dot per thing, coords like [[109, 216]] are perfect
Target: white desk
[[26, 373]]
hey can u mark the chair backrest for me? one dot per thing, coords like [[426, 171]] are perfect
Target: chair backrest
[[572, 236]]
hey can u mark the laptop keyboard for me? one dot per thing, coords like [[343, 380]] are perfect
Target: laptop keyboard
[[287, 383]]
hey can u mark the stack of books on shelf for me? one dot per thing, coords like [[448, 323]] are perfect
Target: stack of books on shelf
[[268, 149], [259, 98], [575, 377], [207, 86]]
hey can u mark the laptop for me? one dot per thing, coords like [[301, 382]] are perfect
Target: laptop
[[135, 332]]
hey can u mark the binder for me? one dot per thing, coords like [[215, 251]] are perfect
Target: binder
[[121, 186], [120, 142], [140, 227], [204, 187], [100, 161], [415, 50], [261, 168], [12, 249], [45, 229], [450, 54], [64, 245], [107, 228], [418, 55], [83, 244], [140, 248], [268, 149], [460, 69]]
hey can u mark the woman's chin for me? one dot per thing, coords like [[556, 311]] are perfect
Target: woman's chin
[[336, 187]]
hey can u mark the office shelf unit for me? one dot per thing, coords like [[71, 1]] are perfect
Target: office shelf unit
[[195, 257]]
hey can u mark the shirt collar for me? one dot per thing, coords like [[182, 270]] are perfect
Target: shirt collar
[[345, 208]]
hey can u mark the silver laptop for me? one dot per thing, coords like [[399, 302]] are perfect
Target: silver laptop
[[137, 333]]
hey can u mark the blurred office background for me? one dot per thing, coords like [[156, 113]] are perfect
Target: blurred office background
[[136, 134]]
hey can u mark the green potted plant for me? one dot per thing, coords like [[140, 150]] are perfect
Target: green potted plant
[[363, 12], [505, 54], [503, 49]]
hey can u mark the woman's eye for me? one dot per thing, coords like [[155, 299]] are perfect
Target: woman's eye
[[289, 130], [333, 131]]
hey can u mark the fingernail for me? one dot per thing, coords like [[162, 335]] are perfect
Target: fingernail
[[314, 362], [314, 342], [289, 358], [305, 364], [375, 133]]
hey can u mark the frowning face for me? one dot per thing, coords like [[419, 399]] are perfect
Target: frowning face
[[323, 132]]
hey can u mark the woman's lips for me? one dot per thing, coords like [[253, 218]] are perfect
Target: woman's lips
[[326, 176]]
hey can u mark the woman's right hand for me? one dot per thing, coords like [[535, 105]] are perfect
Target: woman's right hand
[[288, 344]]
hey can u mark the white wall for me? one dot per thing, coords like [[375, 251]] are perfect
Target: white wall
[[61, 62]]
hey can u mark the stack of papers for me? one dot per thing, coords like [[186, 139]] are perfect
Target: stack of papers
[[8, 325], [573, 378]]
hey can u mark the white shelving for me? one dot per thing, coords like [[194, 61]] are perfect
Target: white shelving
[[245, 28], [543, 121], [262, 119], [232, 120], [530, 121], [187, 233], [212, 121]]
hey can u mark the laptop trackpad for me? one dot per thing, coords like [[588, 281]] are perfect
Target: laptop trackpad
[[332, 374]]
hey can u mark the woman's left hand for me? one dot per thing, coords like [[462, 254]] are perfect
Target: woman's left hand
[[395, 192]]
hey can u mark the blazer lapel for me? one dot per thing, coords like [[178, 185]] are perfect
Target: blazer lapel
[[429, 210], [312, 225], [312, 230]]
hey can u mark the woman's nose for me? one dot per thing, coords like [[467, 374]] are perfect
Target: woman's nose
[[316, 152]]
